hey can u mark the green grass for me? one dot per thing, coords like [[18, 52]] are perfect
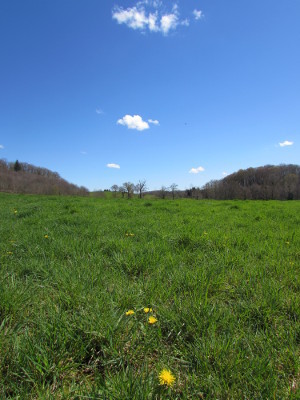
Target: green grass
[[222, 278]]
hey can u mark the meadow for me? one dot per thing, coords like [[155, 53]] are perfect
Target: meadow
[[99, 296]]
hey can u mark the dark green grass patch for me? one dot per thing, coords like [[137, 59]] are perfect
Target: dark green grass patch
[[221, 280]]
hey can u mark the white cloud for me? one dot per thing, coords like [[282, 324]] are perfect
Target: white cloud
[[133, 122], [99, 111], [149, 14], [198, 14], [153, 121], [1, 146], [116, 166], [83, 152], [224, 173], [286, 143], [168, 22], [133, 17], [196, 170]]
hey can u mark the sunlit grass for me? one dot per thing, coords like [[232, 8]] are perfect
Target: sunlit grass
[[98, 297]]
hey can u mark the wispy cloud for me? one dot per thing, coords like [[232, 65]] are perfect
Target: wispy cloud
[[116, 166], [1, 146], [196, 170], [99, 111], [198, 14], [153, 121], [286, 143], [133, 122], [151, 15], [83, 152], [224, 173]]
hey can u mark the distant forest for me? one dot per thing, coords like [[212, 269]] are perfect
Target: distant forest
[[269, 182], [19, 177]]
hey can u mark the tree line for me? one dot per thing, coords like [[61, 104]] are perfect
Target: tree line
[[128, 189], [269, 182], [19, 177]]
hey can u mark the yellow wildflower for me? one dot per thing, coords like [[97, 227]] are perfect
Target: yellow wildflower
[[10, 253], [287, 243], [146, 310], [15, 211], [166, 377], [152, 320], [46, 236], [129, 312]]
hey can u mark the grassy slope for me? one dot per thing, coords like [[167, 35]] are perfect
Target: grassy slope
[[221, 277]]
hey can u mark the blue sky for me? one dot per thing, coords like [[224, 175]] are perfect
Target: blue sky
[[169, 91]]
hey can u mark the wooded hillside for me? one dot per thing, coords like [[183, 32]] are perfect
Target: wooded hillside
[[21, 177], [269, 182]]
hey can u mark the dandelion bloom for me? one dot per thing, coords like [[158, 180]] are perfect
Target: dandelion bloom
[[129, 312], [166, 377], [46, 236], [146, 310], [152, 320]]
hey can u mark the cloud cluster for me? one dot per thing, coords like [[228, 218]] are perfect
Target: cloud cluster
[[116, 166], [1, 146], [198, 14], [136, 122], [196, 170], [286, 143], [150, 15]]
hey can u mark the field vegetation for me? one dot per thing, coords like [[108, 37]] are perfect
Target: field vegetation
[[148, 299]]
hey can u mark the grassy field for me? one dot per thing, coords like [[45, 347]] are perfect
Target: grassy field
[[221, 278]]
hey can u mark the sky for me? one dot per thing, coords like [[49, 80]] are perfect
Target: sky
[[186, 91]]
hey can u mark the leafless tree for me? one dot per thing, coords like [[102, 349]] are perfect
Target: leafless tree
[[173, 189], [129, 188], [141, 187], [114, 189], [163, 192]]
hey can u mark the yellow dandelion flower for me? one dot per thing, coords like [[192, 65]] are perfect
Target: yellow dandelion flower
[[46, 236], [129, 312], [152, 320], [10, 253], [15, 212], [146, 310], [166, 377]]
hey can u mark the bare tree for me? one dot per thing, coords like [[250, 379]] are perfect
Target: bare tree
[[129, 188], [163, 192], [141, 187], [173, 189], [114, 189]]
